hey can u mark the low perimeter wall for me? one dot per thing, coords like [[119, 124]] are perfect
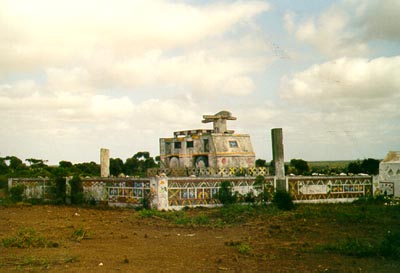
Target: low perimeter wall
[[329, 189], [167, 193]]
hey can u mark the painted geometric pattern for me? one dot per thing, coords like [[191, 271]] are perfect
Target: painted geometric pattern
[[387, 188], [209, 172], [314, 188], [203, 191], [35, 188], [119, 190]]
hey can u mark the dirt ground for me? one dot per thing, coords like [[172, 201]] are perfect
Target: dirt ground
[[118, 240]]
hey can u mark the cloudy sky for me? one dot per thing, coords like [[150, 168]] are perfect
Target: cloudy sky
[[76, 76]]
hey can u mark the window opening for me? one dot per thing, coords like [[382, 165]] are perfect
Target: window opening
[[233, 144]]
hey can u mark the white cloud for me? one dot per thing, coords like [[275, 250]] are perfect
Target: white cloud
[[346, 103], [347, 27], [61, 32], [377, 19], [329, 33], [100, 45], [346, 82]]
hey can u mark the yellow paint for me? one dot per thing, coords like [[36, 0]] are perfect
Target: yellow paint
[[213, 154]]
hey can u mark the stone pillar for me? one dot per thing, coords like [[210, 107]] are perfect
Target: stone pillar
[[104, 162], [278, 157]]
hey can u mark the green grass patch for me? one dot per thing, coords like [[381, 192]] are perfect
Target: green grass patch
[[79, 234], [242, 248], [177, 217], [27, 238], [387, 247]]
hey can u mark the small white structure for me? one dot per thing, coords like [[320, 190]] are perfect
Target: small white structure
[[389, 174]]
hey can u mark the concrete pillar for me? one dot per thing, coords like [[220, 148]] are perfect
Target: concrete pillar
[[162, 192], [278, 157], [104, 162]]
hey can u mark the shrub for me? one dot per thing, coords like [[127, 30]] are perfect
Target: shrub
[[76, 190], [146, 201], [225, 194], [16, 193], [283, 200], [59, 190], [250, 197]]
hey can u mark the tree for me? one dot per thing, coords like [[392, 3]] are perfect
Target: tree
[[301, 166], [354, 167], [139, 163], [15, 163], [131, 166], [3, 165], [36, 163], [370, 166], [261, 163], [65, 164], [116, 166], [91, 168]]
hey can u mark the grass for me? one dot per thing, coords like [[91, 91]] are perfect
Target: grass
[[177, 217], [386, 247], [79, 234], [30, 261], [351, 247], [374, 214], [27, 238], [233, 214], [242, 248]]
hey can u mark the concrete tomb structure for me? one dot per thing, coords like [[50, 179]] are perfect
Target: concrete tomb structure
[[217, 148], [104, 162], [389, 174]]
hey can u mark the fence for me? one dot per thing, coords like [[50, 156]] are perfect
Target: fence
[[193, 191], [209, 172], [115, 191], [35, 188], [178, 192], [329, 189]]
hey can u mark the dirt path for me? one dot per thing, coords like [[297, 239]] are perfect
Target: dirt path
[[94, 240]]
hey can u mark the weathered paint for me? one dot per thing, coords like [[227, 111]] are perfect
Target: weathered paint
[[215, 148]]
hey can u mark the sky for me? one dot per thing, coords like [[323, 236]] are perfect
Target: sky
[[77, 76]]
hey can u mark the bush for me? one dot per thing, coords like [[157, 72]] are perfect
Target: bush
[[225, 194], [59, 190], [16, 193], [76, 190], [283, 200], [146, 201]]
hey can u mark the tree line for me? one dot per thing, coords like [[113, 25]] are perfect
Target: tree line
[[138, 164], [368, 166], [12, 166]]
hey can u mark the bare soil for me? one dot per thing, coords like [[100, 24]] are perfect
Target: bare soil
[[119, 240]]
